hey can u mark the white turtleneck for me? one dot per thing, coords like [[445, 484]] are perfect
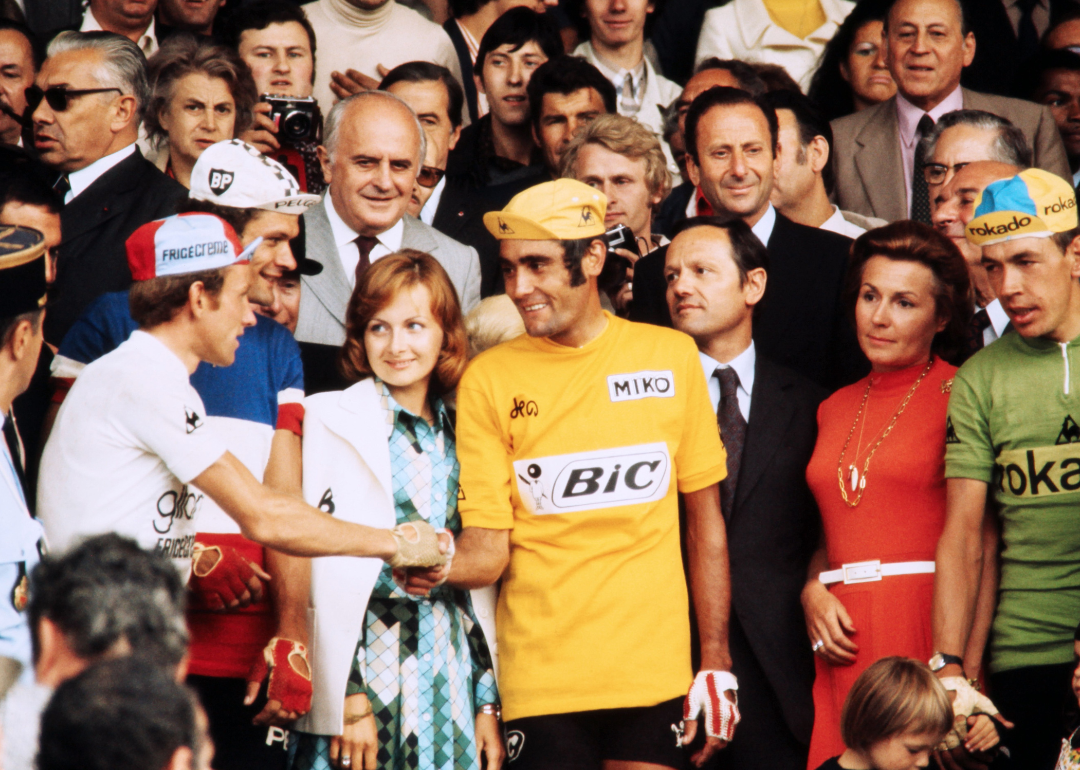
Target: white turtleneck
[[351, 38]]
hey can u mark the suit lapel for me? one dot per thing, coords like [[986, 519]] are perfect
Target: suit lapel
[[331, 286], [877, 158], [770, 414], [416, 236], [95, 204]]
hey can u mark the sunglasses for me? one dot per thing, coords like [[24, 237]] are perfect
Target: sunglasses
[[429, 176], [58, 97], [935, 173]]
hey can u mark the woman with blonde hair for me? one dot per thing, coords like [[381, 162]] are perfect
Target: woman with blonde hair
[[399, 681]]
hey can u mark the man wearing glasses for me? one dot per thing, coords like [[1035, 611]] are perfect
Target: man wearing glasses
[[373, 150], [966, 136], [85, 106]]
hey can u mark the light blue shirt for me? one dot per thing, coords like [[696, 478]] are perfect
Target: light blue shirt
[[743, 364], [20, 535]]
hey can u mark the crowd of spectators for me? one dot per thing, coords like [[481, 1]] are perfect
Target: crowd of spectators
[[460, 384]]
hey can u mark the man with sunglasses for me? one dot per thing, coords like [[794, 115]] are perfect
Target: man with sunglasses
[[85, 105], [373, 148]]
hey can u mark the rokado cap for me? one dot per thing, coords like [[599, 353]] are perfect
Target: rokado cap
[[563, 210], [185, 243], [233, 173], [22, 270], [1032, 204]]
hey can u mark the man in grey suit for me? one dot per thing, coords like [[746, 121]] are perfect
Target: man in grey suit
[[927, 45], [373, 148]]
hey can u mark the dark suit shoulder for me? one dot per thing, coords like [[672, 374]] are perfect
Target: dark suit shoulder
[[794, 384], [792, 234]]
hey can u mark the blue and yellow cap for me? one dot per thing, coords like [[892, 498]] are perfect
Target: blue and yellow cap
[[1032, 204]]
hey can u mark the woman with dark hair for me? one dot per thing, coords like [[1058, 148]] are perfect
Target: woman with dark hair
[[852, 75], [878, 469], [200, 94], [399, 681]]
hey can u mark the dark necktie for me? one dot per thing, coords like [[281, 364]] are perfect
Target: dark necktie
[[364, 244], [14, 445], [62, 186], [920, 193], [979, 324], [732, 431], [1026, 34]]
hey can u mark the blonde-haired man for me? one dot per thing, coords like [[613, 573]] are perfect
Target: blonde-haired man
[[624, 160]]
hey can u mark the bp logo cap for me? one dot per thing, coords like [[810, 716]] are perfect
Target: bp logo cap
[[563, 210], [22, 270], [184, 243], [233, 173], [1032, 204]]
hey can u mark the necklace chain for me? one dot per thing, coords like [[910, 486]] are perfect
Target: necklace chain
[[858, 481]]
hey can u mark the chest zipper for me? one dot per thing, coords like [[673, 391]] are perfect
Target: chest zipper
[[1065, 356]]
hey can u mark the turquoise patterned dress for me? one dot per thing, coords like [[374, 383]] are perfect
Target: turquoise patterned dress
[[422, 661]]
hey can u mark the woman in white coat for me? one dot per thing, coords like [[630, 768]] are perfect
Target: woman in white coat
[[400, 681]]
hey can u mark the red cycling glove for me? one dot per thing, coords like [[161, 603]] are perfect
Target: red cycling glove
[[223, 583], [286, 662]]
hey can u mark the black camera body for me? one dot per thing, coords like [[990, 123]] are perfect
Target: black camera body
[[296, 117]]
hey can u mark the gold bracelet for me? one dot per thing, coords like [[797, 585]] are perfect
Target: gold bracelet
[[352, 719]]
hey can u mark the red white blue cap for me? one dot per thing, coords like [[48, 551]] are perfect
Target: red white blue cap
[[185, 243]]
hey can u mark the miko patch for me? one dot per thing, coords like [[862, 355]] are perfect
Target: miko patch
[[636, 385], [585, 481]]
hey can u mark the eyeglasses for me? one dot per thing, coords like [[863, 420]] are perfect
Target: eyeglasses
[[59, 97], [935, 173], [430, 176]]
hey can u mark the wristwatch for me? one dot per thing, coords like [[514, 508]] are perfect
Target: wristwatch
[[940, 660]]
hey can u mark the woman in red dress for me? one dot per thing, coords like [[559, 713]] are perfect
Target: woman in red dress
[[877, 471]]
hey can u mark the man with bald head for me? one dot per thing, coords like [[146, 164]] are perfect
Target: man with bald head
[[928, 43], [373, 147], [954, 207]]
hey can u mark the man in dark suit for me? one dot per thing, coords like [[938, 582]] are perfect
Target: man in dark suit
[[876, 150], [87, 134], [717, 273], [731, 144]]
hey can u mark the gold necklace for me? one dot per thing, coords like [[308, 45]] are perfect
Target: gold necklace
[[858, 481]]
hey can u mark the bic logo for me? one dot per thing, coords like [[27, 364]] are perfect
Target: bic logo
[[588, 481], [631, 387]]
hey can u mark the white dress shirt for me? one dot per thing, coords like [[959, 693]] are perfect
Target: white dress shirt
[[147, 42], [909, 116], [743, 364], [84, 177], [837, 224], [427, 214], [764, 227], [999, 319], [349, 254]]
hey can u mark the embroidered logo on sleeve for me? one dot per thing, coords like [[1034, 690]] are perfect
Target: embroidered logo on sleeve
[[192, 421], [586, 481], [631, 387]]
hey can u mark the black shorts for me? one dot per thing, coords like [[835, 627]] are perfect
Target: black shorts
[[239, 744], [582, 740]]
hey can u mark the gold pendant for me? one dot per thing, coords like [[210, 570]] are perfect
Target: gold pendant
[[854, 477]]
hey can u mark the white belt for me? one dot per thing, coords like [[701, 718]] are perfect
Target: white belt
[[871, 571]]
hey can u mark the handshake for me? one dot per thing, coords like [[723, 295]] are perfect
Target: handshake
[[417, 546]]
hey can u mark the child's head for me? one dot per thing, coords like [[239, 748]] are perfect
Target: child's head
[[403, 324], [895, 714]]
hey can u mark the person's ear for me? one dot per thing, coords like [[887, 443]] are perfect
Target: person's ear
[[818, 153], [454, 137], [969, 48], [182, 759], [324, 161], [592, 263], [21, 337], [753, 288], [1072, 254], [479, 84], [693, 170], [124, 113], [845, 73], [55, 661]]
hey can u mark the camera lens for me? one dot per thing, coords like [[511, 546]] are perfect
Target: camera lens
[[296, 126]]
